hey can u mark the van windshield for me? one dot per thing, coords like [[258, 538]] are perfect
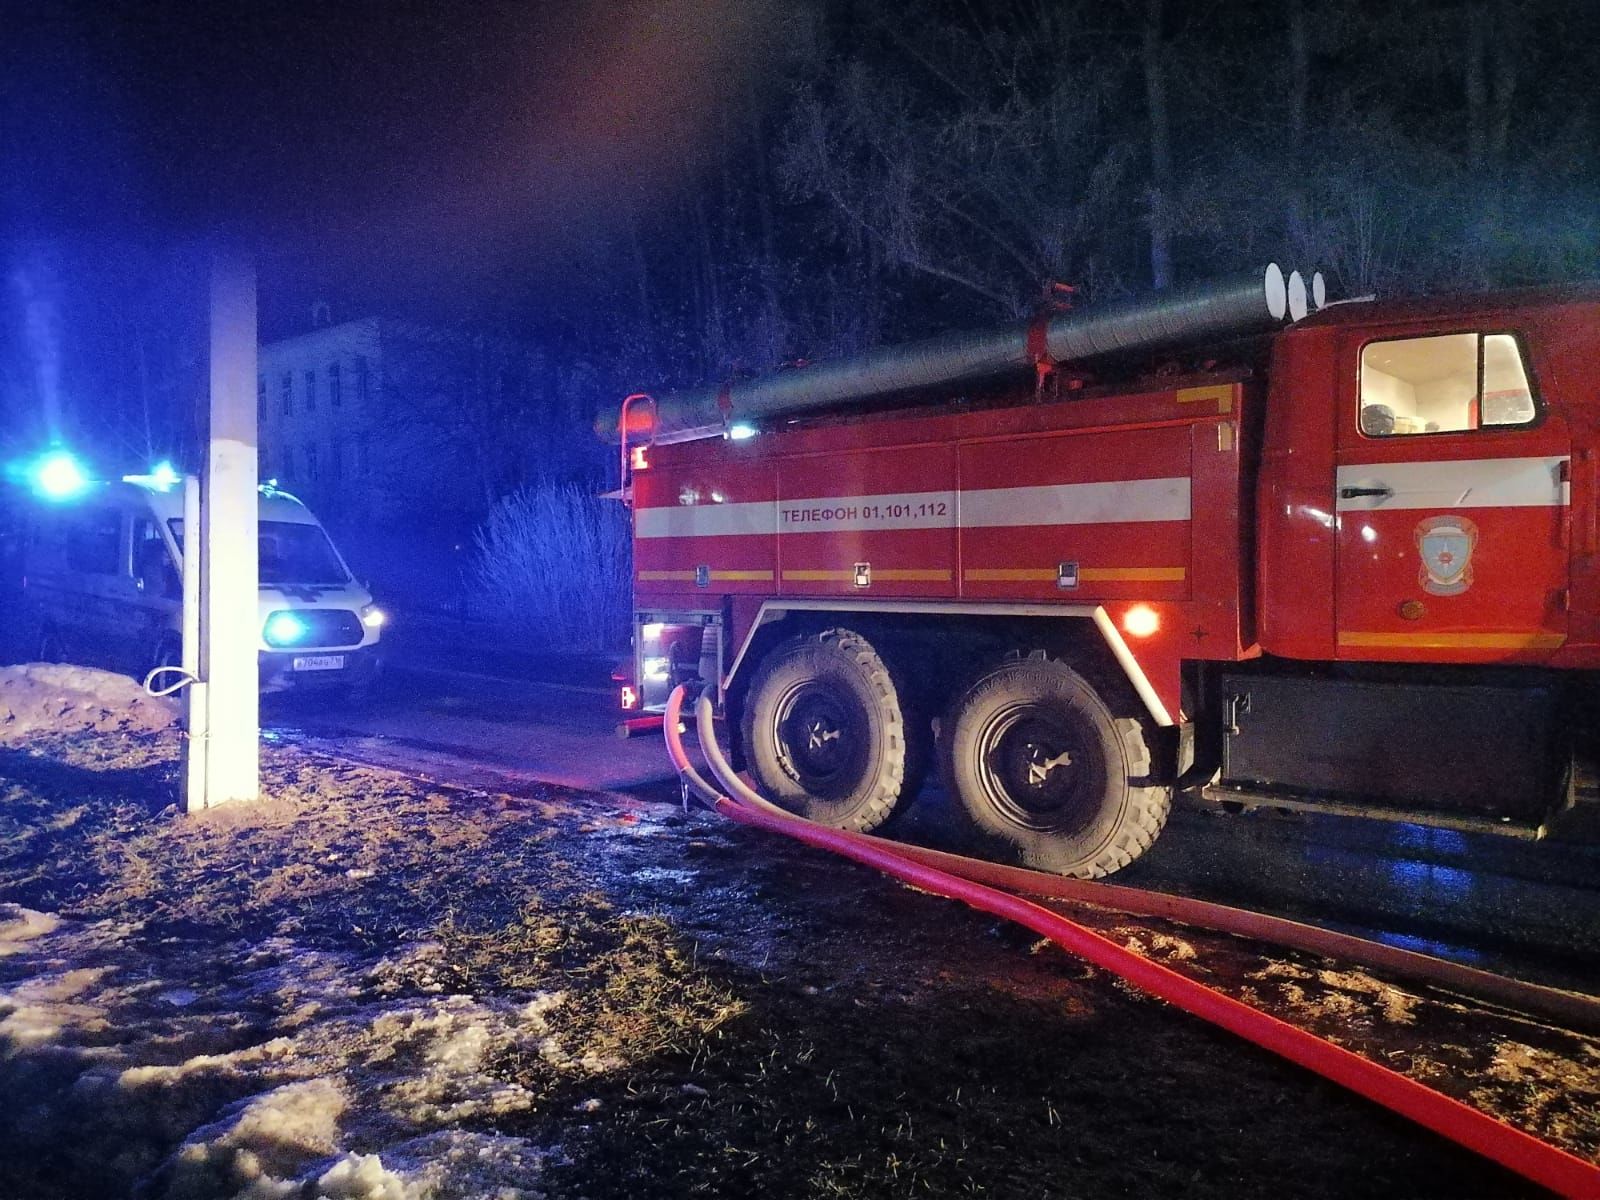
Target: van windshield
[[291, 552]]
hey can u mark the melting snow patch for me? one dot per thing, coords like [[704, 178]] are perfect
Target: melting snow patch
[[19, 925], [484, 1166], [414, 967], [544, 1002], [362, 1177], [261, 1144], [665, 875], [39, 1009]]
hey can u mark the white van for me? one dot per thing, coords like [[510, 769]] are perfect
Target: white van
[[101, 585]]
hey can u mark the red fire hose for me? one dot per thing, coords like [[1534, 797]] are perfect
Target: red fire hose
[[1547, 1165]]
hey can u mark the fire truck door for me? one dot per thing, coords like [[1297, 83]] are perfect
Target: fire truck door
[[1451, 502]]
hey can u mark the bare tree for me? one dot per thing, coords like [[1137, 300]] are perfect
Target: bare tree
[[1159, 198], [988, 180]]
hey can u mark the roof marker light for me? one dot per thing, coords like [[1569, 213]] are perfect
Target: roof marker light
[[163, 477]]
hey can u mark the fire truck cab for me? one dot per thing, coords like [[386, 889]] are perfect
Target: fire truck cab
[[1348, 564]]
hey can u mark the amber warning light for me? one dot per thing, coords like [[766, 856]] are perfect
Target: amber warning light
[[639, 460], [630, 698], [1141, 621]]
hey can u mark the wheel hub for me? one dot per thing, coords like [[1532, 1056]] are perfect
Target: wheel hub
[[1041, 763], [1039, 770], [819, 734], [819, 740]]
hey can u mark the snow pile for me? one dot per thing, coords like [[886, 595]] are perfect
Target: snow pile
[[441, 1050], [261, 1144], [57, 698], [292, 1140], [484, 1166], [39, 1008], [20, 925]]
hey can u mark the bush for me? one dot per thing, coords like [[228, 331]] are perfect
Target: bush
[[556, 563]]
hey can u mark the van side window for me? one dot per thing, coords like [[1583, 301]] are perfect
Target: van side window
[[152, 563], [94, 538], [1451, 383]]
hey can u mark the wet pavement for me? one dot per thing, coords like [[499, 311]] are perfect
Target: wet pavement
[[1531, 909]]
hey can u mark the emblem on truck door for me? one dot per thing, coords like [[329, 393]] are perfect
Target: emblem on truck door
[[1445, 545]]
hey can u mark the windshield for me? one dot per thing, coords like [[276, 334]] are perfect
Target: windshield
[[291, 552]]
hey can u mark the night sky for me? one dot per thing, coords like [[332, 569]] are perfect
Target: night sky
[[361, 148]]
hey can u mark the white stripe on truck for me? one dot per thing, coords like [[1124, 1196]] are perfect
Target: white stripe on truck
[[1078, 503], [1458, 483], [1128, 500]]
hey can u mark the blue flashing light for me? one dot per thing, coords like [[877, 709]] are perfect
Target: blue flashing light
[[741, 430], [284, 629], [58, 475]]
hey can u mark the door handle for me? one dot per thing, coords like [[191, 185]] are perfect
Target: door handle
[[1351, 493]]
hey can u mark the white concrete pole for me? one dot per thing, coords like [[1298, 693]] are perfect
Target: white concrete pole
[[230, 619], [194, 696]]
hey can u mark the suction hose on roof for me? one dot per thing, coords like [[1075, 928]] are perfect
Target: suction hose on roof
[[1538, 1161], [1236, 306]]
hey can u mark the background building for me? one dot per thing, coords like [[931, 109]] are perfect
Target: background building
[[403, 436], [321, 410]]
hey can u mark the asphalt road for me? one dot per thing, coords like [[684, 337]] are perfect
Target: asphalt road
[[497, 721]]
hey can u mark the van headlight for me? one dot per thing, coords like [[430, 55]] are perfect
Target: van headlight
[[284, 629], [372, 616]]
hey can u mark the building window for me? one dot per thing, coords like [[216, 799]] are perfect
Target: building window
[[263, 463], [311, 391], [287, 465], [288, 394], [333, 386], [363, 459], [362, 379], [262, 411], [311, 463], [335, 458]]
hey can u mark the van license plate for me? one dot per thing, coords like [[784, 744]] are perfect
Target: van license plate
[[319, 662]]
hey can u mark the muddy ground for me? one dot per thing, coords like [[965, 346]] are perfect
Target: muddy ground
[[373, 987]]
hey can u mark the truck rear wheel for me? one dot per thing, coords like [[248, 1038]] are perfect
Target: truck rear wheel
[[1045, 776], [825, 731]]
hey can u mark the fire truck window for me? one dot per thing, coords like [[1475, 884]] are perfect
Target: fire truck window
[[1420, 385], [1507, 399]]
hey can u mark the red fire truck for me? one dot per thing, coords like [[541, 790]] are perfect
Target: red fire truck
[[1348, 563]]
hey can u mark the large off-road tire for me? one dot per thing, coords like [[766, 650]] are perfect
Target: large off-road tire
[[1043, 774], [825, 731]]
